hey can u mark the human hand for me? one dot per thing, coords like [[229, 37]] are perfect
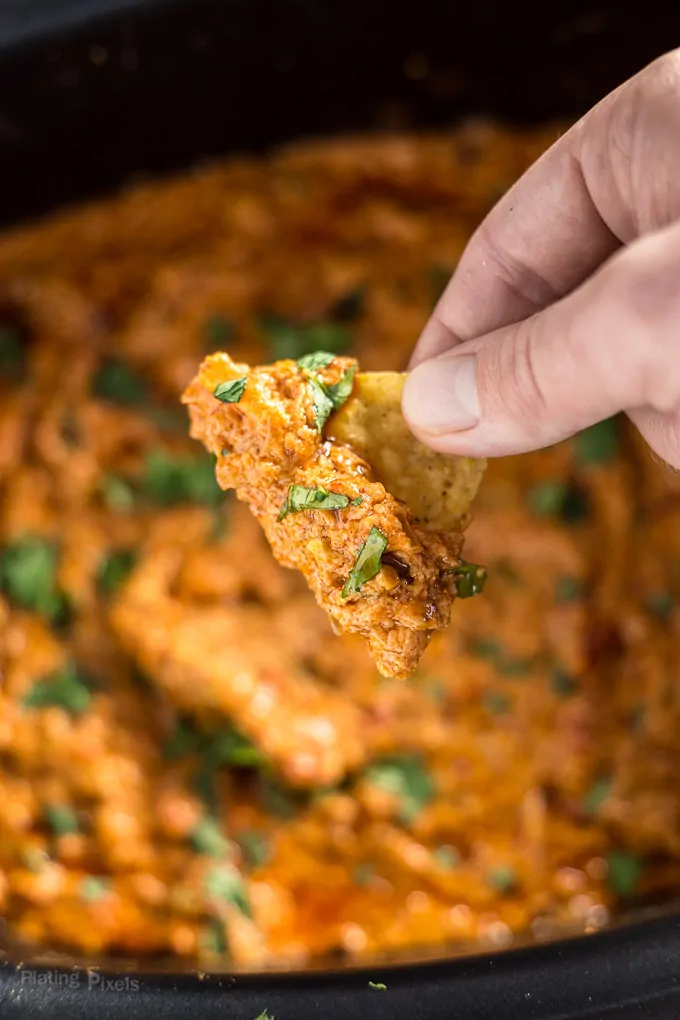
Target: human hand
[[565, 306]]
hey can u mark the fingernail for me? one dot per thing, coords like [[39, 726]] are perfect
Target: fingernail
[[441, 395]]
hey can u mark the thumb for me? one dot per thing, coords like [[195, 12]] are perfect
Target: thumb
[[611, 345]]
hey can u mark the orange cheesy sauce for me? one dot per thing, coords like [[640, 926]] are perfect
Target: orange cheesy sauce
[[191, 762]]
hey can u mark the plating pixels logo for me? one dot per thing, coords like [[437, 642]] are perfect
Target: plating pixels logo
[[92, 980]]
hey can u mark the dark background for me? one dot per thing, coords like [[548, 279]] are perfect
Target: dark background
[[92, 91]]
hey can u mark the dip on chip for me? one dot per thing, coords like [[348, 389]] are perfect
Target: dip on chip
[[345, 494]]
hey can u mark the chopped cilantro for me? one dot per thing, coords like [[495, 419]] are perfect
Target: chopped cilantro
[[117, 493], [569, 589], [254, 846], [275, 798], [486, 648], [339, 392], [503, 878], [559, 499], [408, 779], [214, 939], [12, 354], [289, 340], [229, 747], [599, 443], [317, 359], [207, 838], [363, 874], [660, 603], [114, 569], [576, 506], [515, 667], [350, 306], [232, 391], [118, 383], [28, 576], [547, 498], [301, 498], [67, 689], [496, 703], [93, 888], [378, 985], [214, 750], [328, 398], [62, 819], [493, 651], [168, 419], [561, 682], [323, 405], [623, 873], [357, 501], [171, 480], [446, 857], [223, 882], [505, 570], [597, 795], [218, 331], [184, 739], [367, 563], [470, 579]]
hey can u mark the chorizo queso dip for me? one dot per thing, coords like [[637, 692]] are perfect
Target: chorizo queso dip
[[191, 762]]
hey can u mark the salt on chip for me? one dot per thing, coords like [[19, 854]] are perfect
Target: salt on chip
[[438, 489]]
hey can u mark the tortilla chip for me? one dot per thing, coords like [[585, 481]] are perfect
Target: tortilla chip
[[437, 489]]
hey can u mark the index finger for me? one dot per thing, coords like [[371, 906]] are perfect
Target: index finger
[[610, 178]]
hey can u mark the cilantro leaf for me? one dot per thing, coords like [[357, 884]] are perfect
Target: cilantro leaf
[[367, 563], [301, 498], [323, 405], [114, 569], [171, 480], [339, 392], [28, 576], [329, 398], [223, 882], [470, 579], [561, 682], [623, 873], [254, 846], [93, 888], [67, 689], [599, 443], [317, 359], [62, 819], [217, 332], [12, 354], [503, 878], [230, 392], [407, 779], [597, 795], [207, 838], [291, 340], [118, 383], [117, 494]]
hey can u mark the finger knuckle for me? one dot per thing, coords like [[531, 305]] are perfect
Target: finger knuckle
[[514, 374], [657, 88], [644, 298]]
